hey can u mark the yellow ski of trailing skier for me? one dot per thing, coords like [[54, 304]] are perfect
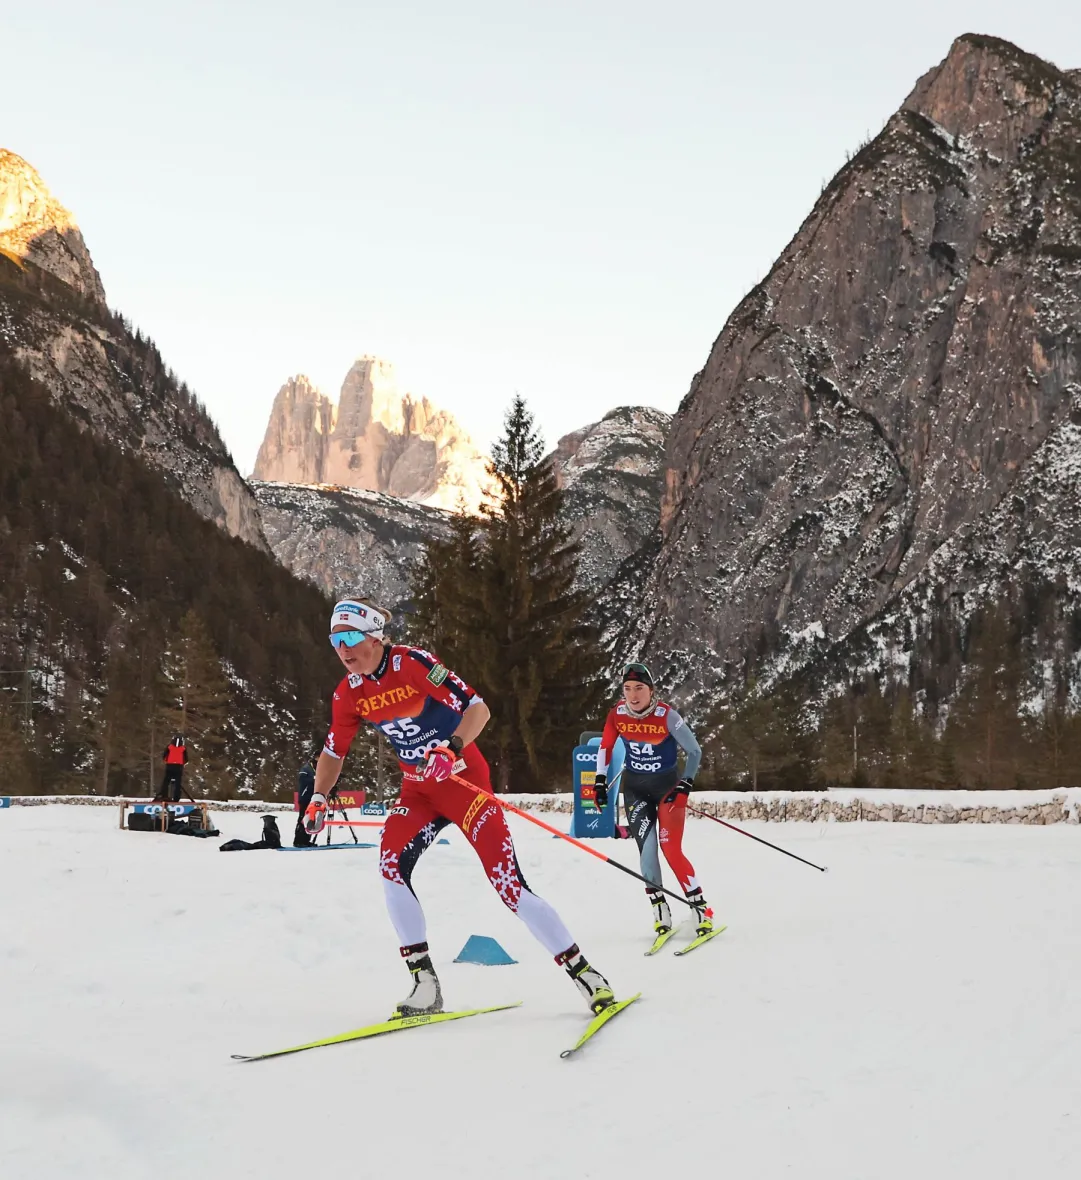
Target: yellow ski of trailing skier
[[598, 1022]]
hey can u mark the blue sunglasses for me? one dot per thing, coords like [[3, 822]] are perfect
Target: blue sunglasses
[[347, 638]]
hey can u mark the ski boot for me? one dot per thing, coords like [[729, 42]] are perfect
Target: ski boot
[[702, 911], [662, 914], [590, 982], [426, 998]]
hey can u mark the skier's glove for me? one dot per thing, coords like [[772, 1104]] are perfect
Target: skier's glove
[[440, 764], [600, 791], [681, 790], [316, 815]]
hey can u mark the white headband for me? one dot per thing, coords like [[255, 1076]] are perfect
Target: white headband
[[359, 617]]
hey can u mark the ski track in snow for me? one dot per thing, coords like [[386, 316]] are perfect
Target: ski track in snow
[[912, 1012]]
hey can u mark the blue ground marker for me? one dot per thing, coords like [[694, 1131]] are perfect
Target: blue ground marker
[[479, 948]]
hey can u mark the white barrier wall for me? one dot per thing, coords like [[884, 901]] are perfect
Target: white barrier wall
[[921, 807]]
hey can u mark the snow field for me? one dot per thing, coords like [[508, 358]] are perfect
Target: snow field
[[913, 1009]]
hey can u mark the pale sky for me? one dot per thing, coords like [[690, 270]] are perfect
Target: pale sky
[[565, 200]]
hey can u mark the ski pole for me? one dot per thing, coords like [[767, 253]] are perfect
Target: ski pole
[[570, 839], [706, 815]]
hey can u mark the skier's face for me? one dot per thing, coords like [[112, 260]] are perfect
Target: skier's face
[[637, 694], [362, 659]]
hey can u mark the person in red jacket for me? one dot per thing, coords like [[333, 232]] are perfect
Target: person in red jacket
[[175, 757], [654, 791], [432, 718]]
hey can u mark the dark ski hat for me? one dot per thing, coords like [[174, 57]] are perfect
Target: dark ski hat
[[638, 672]]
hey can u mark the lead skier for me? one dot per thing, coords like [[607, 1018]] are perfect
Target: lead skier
[[433, 719], [654, 792]]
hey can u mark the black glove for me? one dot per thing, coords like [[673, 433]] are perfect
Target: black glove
[[600, 790], [683, 787]]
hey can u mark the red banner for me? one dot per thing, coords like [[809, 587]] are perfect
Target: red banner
[[343, 799]]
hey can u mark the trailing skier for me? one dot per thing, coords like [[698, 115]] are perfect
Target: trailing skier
[[654, 792], [433, 719]]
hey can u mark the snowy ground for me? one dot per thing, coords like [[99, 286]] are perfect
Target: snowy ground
[[913, 1013]]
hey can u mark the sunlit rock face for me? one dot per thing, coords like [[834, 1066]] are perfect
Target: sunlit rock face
[[55, 324], [35, 227], [376, 437]]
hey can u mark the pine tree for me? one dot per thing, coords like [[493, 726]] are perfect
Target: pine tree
[[877, 741], [117, 726], [985, 729], [15, 756], [199, 704], [759, 738], [445, 593], [498, 603], [540, 657], [835, 747], [1057, 734]]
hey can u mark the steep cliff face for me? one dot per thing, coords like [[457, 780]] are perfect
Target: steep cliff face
[[348, 541], [375, 438], [56, 326], [612, 474], [875, 415]]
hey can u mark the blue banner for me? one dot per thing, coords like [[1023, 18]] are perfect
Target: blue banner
[[587, 821], [155, 808], [373, 809], [5, 801]]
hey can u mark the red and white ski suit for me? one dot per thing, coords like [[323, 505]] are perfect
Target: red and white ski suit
[[418, 703]]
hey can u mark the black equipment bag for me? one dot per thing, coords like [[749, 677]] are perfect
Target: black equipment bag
[[140, 821]]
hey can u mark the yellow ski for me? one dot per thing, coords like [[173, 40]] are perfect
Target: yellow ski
[[701, 939], [377, 1030], [660, 940], [598, 1022]]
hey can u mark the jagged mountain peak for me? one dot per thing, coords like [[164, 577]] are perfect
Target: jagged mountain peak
[[376, 437], [35, 227], [990, 92]]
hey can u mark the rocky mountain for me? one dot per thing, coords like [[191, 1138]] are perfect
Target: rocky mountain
[[36, 228], [346, 539], [892, 414], [612, 476], [375, 438], [55, 324]]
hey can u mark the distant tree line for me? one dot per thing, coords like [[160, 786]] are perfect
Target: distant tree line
[[984, 701]]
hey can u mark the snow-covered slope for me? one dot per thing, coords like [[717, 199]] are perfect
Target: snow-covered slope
[[910, 1013], [348, 541]]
